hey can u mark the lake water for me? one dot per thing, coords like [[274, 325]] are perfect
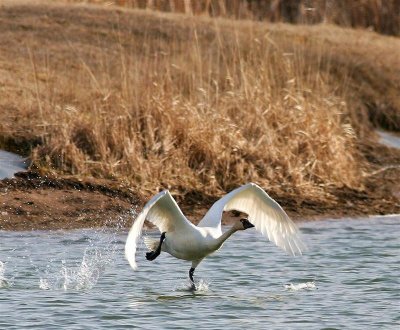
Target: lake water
[[10, 164], [389, 139], [349, 279]]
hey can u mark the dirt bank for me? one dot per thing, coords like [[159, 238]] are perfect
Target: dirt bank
[[33, 202]]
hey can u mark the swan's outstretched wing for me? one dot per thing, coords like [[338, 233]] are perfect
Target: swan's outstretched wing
[[263, 212], [163, 212]]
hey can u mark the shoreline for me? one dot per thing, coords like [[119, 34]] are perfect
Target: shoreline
[[34, 202]]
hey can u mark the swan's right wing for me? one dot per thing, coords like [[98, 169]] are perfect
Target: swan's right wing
[[214, 214], [263, 212], [163, 212], [268, 217]]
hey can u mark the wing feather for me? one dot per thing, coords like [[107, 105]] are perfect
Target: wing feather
[[164, 213], [263, 212], [214, 214]]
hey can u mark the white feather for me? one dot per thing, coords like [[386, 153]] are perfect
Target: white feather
[[151, 243], [163, 212], [263, 212], [186, 241]]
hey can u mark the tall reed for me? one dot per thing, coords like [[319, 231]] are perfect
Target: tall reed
[[193, 105], [382, 16]]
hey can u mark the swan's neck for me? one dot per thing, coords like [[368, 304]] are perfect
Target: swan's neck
[[226, 235]]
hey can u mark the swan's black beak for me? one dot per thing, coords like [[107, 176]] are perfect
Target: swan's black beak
[[246, 223]]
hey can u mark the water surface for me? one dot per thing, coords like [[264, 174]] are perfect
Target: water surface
[[10, 164], [389, 139], [349, 279]]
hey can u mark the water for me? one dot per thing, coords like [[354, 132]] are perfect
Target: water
[[10, 164], [349, 279], [389, 139]]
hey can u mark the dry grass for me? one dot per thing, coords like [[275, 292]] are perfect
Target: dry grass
[[381, 16], [158, 100]]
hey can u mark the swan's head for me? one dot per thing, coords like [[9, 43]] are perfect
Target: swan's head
[[244, 224]]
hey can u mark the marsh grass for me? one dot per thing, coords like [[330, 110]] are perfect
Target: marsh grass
[[164, 101], [381, 16]]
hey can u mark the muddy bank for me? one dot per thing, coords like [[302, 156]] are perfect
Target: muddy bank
[[30, 201], [33, 202]]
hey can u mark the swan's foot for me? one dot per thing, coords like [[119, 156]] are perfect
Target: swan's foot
[[154, 254], [193, 286]]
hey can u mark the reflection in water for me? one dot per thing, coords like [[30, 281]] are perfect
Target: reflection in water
[[10, 164]]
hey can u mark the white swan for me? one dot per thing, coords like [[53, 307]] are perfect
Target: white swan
[[183, 240]]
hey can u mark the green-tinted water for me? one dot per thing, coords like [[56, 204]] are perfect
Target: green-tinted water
[[349, 279]]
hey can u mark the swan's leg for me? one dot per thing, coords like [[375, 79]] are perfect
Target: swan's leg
[[191, 271], [195, 263], [154, 254]]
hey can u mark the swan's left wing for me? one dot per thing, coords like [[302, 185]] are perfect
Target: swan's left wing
[[163, 212], [263, 212]]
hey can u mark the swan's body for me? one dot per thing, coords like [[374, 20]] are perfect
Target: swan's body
[[183, 240], [194, 244]]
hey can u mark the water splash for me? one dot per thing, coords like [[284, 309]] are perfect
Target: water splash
[[201, 287], [301, 286], [4, 283], [82, 274], [44, 284]]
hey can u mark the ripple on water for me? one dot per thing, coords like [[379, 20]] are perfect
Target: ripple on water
[[347, 280]]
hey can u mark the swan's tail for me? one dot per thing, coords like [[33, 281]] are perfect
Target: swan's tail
[[151, 243]]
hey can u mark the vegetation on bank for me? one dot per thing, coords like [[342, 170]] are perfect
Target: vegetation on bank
[[380, 16], [192, 103]]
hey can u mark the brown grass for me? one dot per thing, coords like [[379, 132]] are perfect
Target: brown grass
[[193, 104], [381, 16]]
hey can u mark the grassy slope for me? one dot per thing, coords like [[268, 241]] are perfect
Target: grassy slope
[[194, 104], [381, 16]]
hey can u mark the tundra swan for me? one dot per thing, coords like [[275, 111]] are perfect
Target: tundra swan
[[183, 240]]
